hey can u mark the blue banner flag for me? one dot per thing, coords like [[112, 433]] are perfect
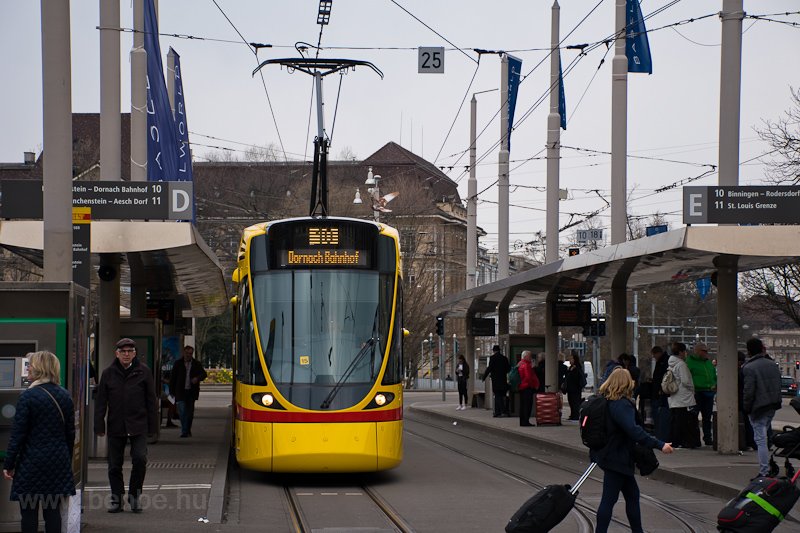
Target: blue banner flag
[[181, 126], [637, 47], [562, 100], [162, 143], [514, 69], [703, 286]]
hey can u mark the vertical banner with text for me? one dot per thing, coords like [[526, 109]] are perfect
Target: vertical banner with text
[[81, 245], [637, 46], [514, 69], [162, 143]]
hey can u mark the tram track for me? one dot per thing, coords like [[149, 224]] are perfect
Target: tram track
[[582, 511], [304, 504]]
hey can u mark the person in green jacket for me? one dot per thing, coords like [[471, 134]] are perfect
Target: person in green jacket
[[704, 377]]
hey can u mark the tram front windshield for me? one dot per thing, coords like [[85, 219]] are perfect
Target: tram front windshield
[[321, 330]]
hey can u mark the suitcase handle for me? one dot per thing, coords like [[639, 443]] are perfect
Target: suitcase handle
[[584, 477]]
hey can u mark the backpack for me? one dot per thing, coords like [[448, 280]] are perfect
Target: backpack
[[593, 421], [514, 379], [669, 385]]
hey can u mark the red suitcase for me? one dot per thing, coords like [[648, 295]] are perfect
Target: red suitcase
[[548, 409]]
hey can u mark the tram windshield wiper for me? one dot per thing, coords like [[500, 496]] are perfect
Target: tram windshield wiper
[[369, 347]]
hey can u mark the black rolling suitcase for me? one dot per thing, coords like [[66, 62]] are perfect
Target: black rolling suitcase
[[763, 504], [547, 508]]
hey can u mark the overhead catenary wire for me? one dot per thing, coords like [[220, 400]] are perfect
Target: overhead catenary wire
[[585, 49], [254, 50], [434, 31]]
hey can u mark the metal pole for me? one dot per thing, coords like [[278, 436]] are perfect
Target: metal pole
[[430, 359], [453, 361], [636, 327], [619, 209], [553, 141], [502, 178], [138, 96], [619, 131], [110, 118], [727, 300], [422, 354], [441, 365], [472, 201], [320, 114], [57, 122]]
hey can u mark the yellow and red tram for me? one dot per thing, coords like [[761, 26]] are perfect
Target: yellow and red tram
[[318, 358]]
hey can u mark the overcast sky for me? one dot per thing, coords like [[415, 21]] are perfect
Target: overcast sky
[[673, 114]]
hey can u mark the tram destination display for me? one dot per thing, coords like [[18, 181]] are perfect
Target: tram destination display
[[754, 204]]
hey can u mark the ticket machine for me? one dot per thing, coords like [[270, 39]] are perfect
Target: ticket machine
[[42, 316]]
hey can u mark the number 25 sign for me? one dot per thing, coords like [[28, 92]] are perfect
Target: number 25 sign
[[430, 60]]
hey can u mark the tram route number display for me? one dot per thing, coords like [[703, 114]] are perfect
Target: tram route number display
[[760, 204], [109, 200]]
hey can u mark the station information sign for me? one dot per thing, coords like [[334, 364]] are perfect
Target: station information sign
[[108, 200], [756, 204], [585, 235]]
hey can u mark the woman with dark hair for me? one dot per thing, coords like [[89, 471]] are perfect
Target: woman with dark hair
[[462, 375], [616, 457], [574, 382], [39, 454]]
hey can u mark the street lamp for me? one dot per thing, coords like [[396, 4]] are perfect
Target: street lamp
[[374, 193]]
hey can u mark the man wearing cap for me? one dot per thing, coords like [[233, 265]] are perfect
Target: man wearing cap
[[127, 395], [704, 377]]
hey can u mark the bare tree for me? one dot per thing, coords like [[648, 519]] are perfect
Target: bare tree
[[778, 288], [271, 152], [783, 136], [347, 154]]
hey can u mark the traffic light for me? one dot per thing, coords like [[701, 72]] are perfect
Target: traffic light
[[574, 251], [440, 325], [797, 365], [595, 328]]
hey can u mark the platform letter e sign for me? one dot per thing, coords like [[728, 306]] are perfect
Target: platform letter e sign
[[695, 205]]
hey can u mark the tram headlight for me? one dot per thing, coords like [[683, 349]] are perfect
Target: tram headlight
[[267, 399], [380, 399]]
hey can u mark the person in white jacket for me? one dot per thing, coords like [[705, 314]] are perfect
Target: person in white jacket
[[682, 433]]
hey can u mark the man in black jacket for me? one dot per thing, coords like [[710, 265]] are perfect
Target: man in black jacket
[[184, 385], [658, 400], [498, 369], [127, 392], [761, 396]]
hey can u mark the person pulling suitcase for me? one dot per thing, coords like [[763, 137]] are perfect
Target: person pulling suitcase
[[616, 458]]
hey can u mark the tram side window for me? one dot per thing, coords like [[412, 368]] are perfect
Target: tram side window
[[249, 364], [394, 366]]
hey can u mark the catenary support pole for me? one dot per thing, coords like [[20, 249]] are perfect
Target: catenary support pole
[[619, 146], [727, 282], [57, 140], [502, 176], [553, 141], [138, 96]]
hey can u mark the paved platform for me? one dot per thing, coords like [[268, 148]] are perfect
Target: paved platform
[[185, 482], [702, 469], [186, 478]]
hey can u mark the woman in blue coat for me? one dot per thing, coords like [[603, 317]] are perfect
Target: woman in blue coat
[[616, 457], [39, 454]]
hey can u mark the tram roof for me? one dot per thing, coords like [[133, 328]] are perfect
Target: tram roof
[[176, 247], [677, 256]]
